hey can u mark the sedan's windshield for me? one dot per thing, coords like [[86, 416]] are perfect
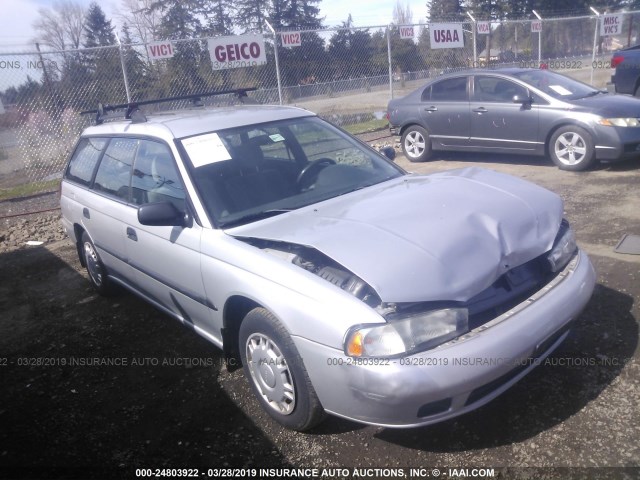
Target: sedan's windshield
[[556, 85], [248, 173]]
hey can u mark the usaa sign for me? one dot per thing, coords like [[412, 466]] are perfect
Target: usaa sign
[[446, 35]]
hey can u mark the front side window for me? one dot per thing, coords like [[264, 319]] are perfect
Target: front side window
[[84, 160], [246, 173], [155, 176], [496, 89], [114, 172]]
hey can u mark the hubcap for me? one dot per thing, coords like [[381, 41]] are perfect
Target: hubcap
[[270, 373], [93, 264], [414, 144], [570, 148]]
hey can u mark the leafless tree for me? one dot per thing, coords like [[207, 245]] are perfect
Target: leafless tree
[[61, 26], [141, 18], [402, 15]]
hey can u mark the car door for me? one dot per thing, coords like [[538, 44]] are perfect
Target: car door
[[444, 110], [107, 209], [166, 258], [499, 124]]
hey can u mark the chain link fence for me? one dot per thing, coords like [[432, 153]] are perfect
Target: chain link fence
[[346, 74]]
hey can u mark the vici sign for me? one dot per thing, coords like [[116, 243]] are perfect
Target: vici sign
[[446, 35], [160, 50], [237, 51]]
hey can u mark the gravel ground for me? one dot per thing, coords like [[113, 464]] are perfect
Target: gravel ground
[[170, 402]]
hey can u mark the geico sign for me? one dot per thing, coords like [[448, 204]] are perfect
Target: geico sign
[[236, 52]]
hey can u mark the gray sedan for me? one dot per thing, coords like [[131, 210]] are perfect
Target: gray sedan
[[515, 110]]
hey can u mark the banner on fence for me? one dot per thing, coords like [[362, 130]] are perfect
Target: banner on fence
[[484, 28], [291, 39], [237, 51], [610, 25], [160, 50], [446, 35], [407, 31], [536, 26]]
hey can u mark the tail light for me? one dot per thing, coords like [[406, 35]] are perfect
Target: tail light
[[616, 60]]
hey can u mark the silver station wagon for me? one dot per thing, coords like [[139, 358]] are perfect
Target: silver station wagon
[[341, 283]]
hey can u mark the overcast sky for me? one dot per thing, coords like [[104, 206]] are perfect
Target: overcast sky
[[18, 16]]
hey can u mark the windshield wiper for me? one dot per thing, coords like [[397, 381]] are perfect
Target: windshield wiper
[[253, 217]]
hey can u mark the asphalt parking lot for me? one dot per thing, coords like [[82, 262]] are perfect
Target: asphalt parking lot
[[170, 403]]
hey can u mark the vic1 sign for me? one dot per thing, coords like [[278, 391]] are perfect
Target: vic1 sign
[[446, 35], [536, 26], [159, 50], [237, 52], [610, 25]]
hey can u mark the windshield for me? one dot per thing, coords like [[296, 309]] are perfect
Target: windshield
[[248, 173], [556, 85]]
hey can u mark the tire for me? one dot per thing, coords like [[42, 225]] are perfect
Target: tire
[[276, 372], [96, 270], [416, 145], [571, 148]]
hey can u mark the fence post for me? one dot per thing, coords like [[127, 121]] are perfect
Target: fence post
[[475, 30], [389, 59], [124, 70], [539, 39], [595, 41], [275, 51]]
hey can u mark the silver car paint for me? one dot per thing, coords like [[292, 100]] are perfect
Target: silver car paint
[[416, 239]]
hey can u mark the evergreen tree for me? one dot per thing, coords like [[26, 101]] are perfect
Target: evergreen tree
[[445, 10], [250, 14], [98, 31]]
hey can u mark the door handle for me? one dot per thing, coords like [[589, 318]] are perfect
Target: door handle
[[480, 110], [85, 213], [131, 234], [431, 109]]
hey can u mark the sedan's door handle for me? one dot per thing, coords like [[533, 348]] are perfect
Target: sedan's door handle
[[85, 213], [480, 110], [431, 109], [131, 234]]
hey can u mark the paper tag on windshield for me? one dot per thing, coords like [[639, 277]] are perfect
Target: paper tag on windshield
[[206, 149], [276, 137], [560, 90]]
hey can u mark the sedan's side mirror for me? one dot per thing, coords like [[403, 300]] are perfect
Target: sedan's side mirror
[[161, 214], [522, 100]]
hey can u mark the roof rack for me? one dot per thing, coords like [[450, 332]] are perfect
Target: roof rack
[[133, 112]]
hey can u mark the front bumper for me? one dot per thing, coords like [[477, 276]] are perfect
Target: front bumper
[[459, 376], [617, 143]]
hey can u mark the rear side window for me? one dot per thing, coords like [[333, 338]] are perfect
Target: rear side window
[[84, 160], [450, 90], [114, 171]]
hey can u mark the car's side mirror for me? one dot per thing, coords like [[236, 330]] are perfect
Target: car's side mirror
[[522, 100], [389, 152], [161, 214]]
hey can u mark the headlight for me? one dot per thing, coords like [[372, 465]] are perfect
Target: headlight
[[563, 247], [408, 334], [620, 122]]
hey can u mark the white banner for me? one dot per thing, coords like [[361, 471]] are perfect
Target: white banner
[[159, 50], [446, 35], [484, 28], [610, 25], [407, 31], [237, 51], [291, 39], [536, 26]]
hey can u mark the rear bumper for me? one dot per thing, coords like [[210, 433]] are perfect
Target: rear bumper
[[456, 377]]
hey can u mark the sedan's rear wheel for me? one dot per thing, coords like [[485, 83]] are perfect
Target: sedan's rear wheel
[[571, 148], [276, 372], [416, 145]]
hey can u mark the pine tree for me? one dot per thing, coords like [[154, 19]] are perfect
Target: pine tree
[[250, 14], [98, 31]]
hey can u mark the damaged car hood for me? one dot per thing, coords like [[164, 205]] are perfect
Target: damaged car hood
[[444, 236]]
